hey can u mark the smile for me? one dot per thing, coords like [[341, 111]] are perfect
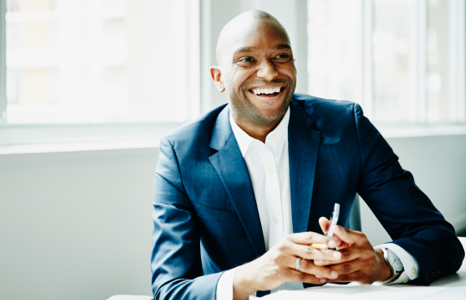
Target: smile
[[269, 91]]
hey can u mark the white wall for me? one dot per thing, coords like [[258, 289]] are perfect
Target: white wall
[[76, 225], [438, 164]]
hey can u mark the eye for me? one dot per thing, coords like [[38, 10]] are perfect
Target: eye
[[283, 57], [246, 60]]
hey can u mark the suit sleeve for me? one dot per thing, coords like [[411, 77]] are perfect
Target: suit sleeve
[[402, 208], [176, 259]]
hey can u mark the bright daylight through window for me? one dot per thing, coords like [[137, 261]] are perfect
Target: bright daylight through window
[[97, 61], [403, 60], [120, 61]]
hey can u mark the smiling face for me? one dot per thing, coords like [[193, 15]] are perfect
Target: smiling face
[[256, 70]]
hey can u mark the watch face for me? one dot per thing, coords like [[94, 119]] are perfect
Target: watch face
[[395, 261]]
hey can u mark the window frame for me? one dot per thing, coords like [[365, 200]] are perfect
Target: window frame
[[32, 138], [211, 15], [3, 100], [457, 66], [418, 75]]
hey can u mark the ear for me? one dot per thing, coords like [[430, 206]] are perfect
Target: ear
[[216, 74]]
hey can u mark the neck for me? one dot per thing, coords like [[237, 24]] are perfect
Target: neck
[[259, 131]]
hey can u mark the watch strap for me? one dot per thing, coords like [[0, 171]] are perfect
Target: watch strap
[[395, 273]]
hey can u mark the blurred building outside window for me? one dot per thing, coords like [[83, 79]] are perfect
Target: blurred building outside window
[[403, 60], [100, 61], [127, 62]]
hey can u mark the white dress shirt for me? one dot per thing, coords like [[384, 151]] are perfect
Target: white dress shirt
[[269, 170]]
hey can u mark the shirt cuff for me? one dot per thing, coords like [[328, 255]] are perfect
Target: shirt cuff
[[225, 285], [410, 265]]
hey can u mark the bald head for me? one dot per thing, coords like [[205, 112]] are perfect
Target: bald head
[[256, 71], [242, 25]]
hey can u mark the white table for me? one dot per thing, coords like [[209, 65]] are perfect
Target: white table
[[446, 288]]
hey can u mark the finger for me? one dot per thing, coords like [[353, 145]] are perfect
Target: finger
[[312, 253], [355, 276], [336, 242], [343, 245], [309, 267], [346, 267], [323, 262], [347, 254], [307, 238], [324, 224], [305, 277], [347, 235]]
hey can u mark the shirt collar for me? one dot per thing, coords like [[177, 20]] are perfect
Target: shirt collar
[[244, 140]]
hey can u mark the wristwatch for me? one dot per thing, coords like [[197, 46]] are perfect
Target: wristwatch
[[394, 263]]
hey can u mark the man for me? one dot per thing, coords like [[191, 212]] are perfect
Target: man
[[239, 193]]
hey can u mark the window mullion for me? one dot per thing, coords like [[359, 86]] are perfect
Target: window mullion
[[420, 55], [3, 98], [194, 58], [457, 60], [367, 55]]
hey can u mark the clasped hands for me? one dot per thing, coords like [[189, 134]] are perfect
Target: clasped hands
[[354, 259]]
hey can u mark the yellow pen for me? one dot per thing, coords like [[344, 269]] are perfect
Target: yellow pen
[[335, 215]]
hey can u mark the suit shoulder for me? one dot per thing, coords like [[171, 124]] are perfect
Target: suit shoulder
[[197, 131], [325, 108]]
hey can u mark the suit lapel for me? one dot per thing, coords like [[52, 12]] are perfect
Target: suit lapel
[[303, 149], [230, 167]]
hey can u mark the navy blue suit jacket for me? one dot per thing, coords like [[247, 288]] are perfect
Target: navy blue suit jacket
[[205, 215]]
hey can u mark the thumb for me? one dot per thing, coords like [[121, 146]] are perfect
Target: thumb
[[324, 224], [347, 235]]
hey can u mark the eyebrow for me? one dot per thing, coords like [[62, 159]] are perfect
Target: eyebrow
[[283, 46], [245, 49], [251, 49]]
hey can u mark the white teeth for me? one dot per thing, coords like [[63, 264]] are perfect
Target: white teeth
[[267, 91]]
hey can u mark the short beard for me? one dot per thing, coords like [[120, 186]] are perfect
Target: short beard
[[249, 111], [246, 110]]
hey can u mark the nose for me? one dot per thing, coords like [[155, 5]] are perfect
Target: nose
[[267, 70]]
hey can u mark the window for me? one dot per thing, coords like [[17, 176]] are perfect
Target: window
[[100, 70], [101, 61], [402, 59]]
